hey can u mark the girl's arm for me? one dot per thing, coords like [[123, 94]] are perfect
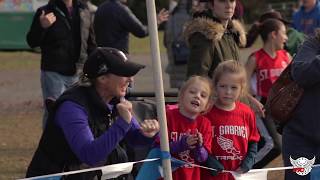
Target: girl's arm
[[254, 103], [251, 68], [249, 161], [203, 147], [213, 163]]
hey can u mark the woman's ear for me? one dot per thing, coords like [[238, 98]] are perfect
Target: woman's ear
[[103, 78], [273, 34]]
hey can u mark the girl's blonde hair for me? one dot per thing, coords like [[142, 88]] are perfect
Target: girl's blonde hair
[[233, 67], [192, 80]]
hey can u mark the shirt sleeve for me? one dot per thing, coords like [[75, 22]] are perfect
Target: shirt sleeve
[[200, 153], [254, 135], [73, 120], [200, 60], [132, 23], [36, 32], [248, 162]]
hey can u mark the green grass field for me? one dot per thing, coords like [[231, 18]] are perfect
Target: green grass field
[[142, 45]]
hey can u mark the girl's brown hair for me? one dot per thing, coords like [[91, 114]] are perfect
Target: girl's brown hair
[[233, 67], [264, 29], [193, 79]]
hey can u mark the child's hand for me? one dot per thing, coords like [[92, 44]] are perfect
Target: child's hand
[[239, 171], [213, 163], [200, 138], [192, 140]]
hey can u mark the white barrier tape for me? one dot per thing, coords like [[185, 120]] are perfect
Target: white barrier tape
[[155, 159], [252, 170], [87, 170]]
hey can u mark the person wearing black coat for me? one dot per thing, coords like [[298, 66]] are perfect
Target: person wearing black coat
[[63, 30], [114, 21]]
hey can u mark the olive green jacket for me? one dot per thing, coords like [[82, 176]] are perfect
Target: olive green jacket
[[210, 43]]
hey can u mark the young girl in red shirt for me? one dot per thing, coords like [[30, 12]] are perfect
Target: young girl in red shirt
[[235, 135], [190, 133], [269, 61]]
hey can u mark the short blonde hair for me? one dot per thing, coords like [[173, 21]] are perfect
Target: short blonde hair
[[233, 67], [193, 79]]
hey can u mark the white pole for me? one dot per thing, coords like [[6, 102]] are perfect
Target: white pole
[[158, 85]]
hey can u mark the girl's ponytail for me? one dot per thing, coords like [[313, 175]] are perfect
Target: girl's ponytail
[[253, 34]]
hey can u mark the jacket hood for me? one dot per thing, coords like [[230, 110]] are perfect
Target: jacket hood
[[214, 30]]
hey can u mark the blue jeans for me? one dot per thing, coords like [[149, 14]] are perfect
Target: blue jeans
[[53, 85]]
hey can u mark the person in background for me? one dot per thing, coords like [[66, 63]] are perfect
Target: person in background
[[114, 21], [189, 131], [267, 64], [235, 134], [301, 135], [63, 30], [177, 50], [295, 38], [213, 37], [307, 18], [91, 121]]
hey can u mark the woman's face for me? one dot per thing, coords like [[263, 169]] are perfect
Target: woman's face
[[280, 38], [223, 9], [113, 86]]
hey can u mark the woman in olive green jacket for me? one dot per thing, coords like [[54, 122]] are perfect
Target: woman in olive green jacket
[[213, 37]]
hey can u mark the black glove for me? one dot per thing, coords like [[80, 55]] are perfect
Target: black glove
[[213, 163]]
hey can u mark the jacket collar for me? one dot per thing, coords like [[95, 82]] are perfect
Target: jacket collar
[[208, 25]]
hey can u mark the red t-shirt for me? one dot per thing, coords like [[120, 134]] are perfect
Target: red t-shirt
[[179, 125], [269, 69], [232, 131]]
